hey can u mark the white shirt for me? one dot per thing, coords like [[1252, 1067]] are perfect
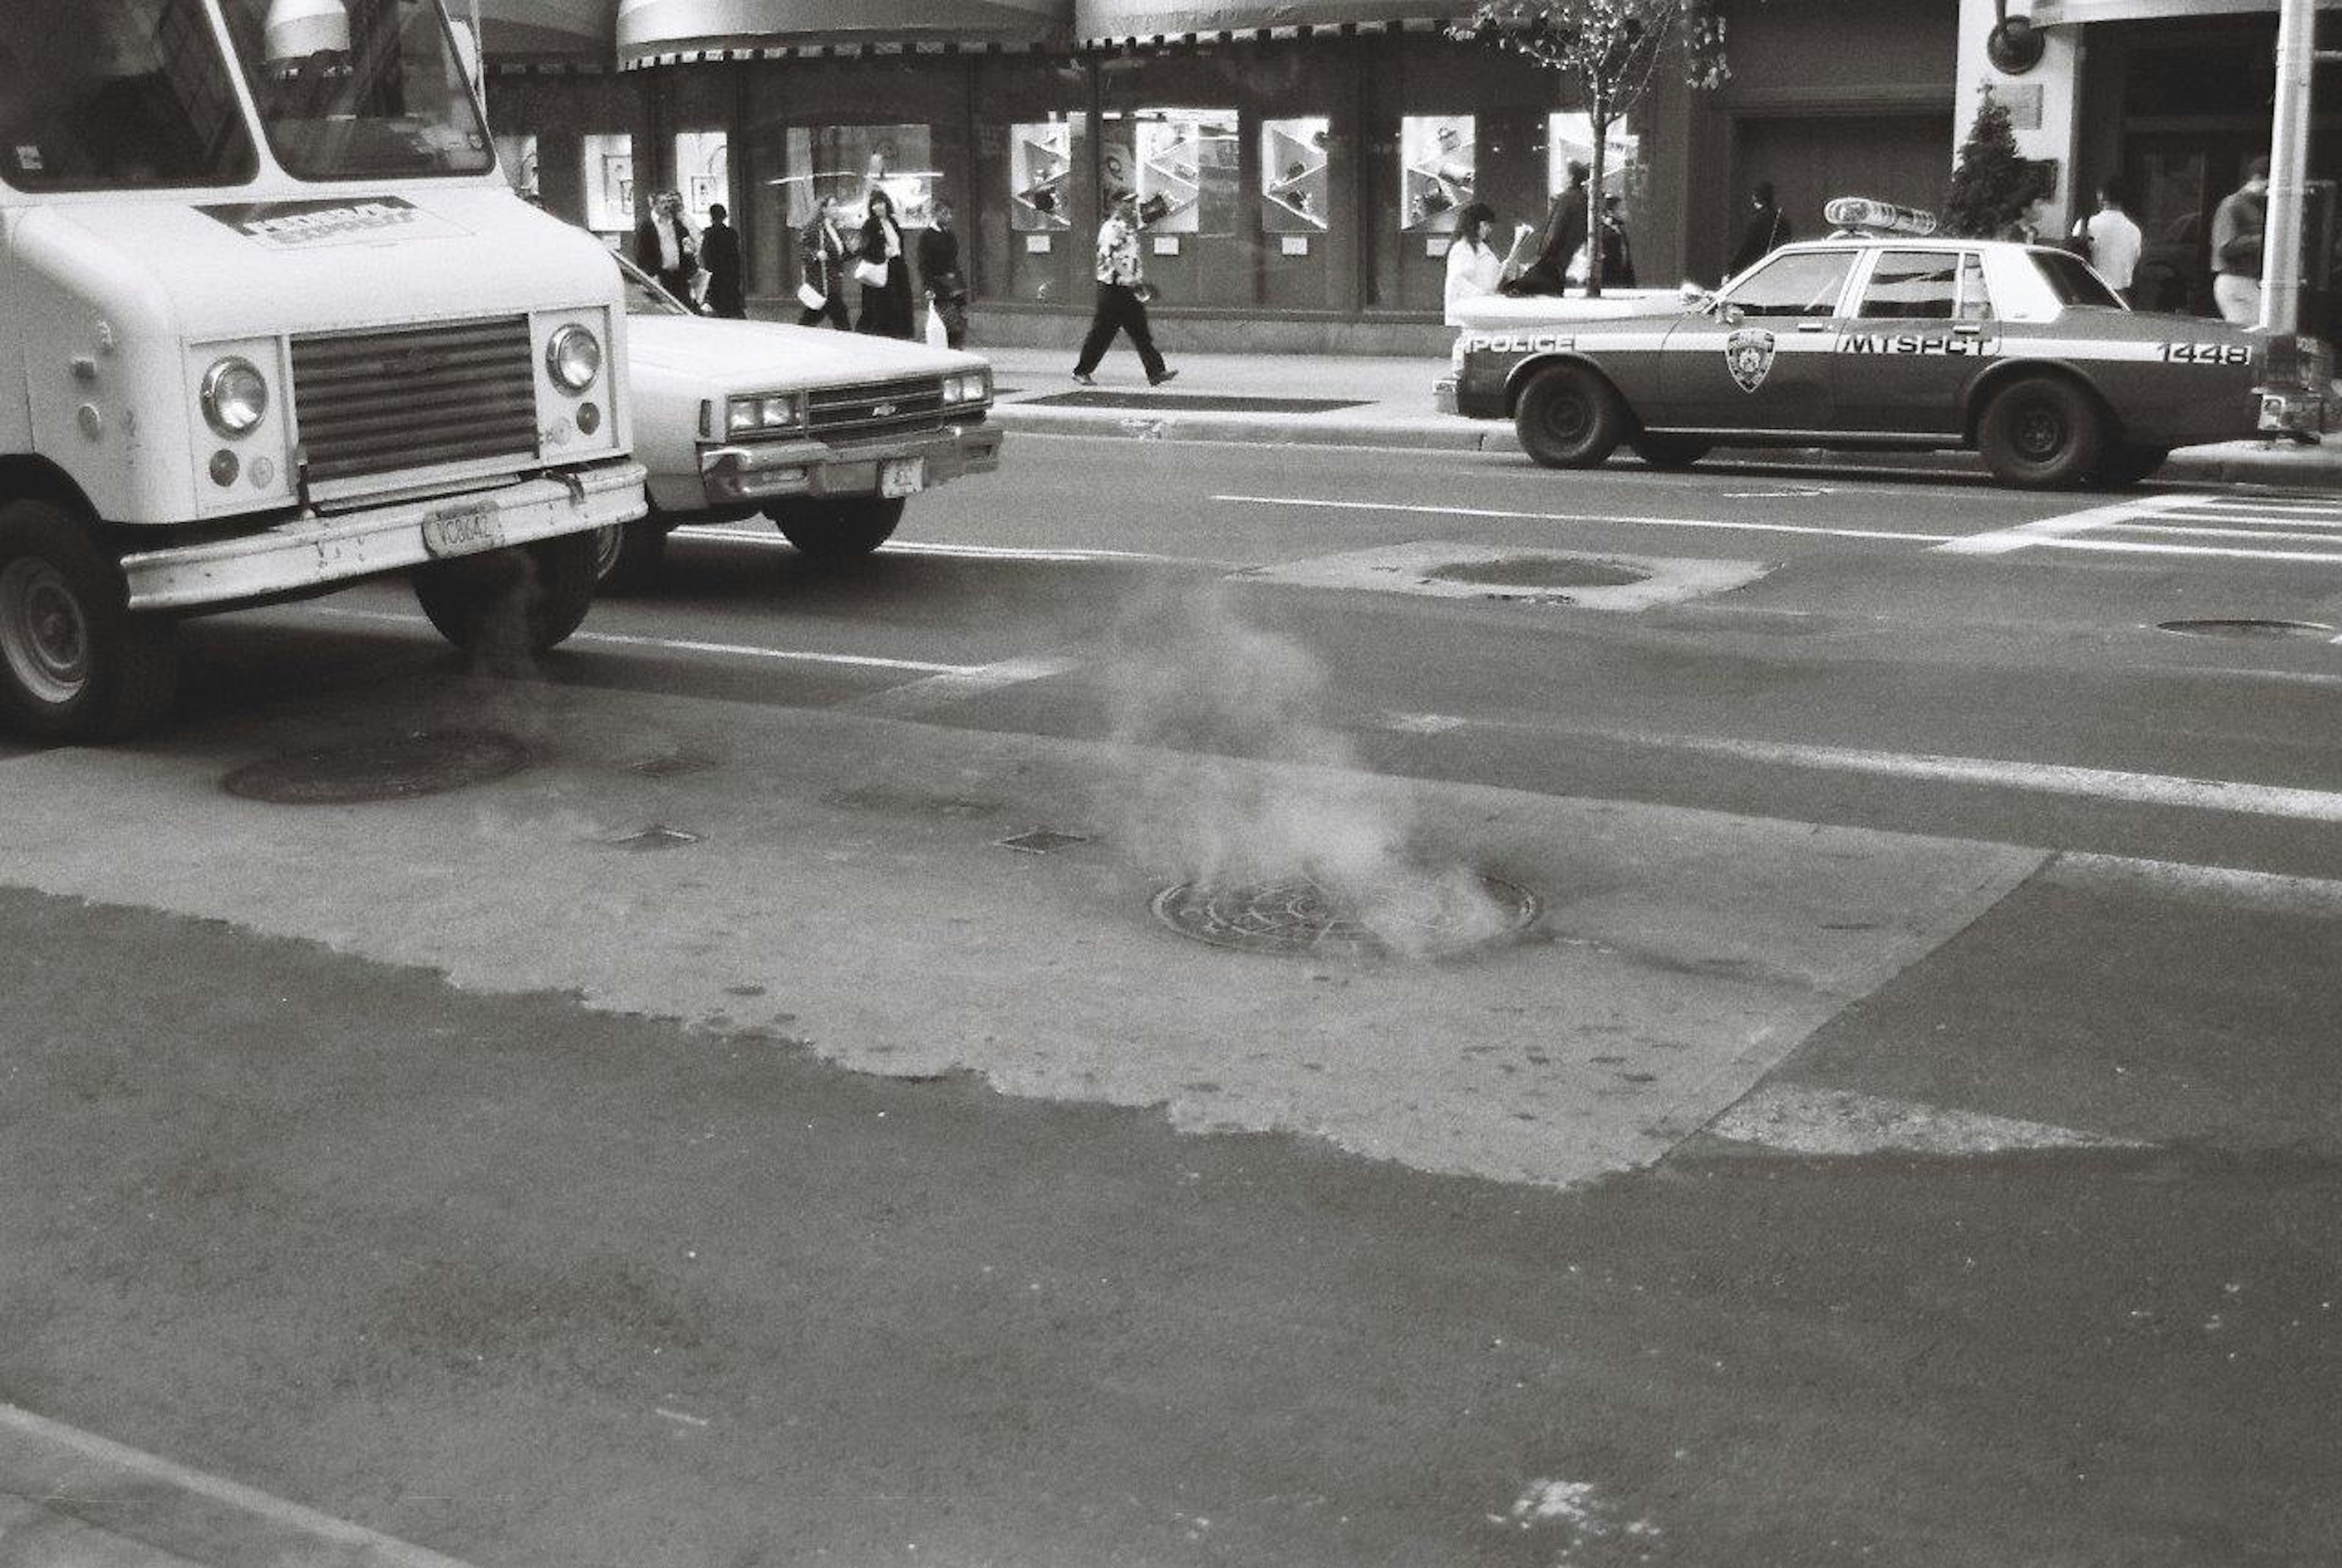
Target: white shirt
[[2115, 244], [1472, 271], [670, 244]]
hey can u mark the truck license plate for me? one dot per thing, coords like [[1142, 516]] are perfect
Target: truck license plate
[[463, 530], [902, 476]]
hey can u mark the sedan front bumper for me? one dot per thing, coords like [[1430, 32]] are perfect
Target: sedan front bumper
[[774, 470]]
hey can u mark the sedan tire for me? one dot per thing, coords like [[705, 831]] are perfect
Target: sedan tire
[[1569, 418], [2043, 433], [842, 529]]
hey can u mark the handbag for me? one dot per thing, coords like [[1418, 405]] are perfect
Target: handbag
[[811, 297], [870, 274], [937, 335]]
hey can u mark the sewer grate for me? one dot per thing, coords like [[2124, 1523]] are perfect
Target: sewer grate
[[384, 768], [1431, 916], [2241, 628], [1042, 840], [1539, 572]]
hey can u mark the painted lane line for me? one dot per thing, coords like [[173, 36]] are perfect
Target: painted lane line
[[2029, 535], [961, 552], [687, 645], [957, 687], [1604, 517], [1799, 1119], [2148, 547], [73, 1466]]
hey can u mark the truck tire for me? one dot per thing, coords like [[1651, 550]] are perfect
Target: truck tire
[[1568, 417], [525, 599], [2042, 432], [843, 529], [1669, 451], [627, 556], [75, 664]]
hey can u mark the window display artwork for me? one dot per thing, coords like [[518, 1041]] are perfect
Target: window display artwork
[[703, 173], [517, 156], [849, 162], [1185, 172], [1294, 176], [1437, 157], [1040, 176], [609, 184]]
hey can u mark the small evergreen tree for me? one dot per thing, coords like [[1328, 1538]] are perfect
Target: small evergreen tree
[[1991, 185]]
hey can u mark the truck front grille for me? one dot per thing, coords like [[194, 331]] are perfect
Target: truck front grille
[[410, 397], [877, 408]]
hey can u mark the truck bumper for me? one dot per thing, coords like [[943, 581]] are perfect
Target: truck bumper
[[780, 470], [312, 552]]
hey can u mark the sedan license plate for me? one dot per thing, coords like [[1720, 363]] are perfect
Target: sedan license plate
[[902, 476], [463, 530]]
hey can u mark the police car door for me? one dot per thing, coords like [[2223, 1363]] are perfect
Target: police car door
[[1759, 358], [1921, 328]]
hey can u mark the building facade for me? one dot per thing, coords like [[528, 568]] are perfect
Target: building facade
[[1300, 162]]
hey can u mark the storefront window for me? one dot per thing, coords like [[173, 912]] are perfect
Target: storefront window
[[703, 173], [517, 155], [1183, 164], [1294, 176], [1570, 136], [1040, 178], [1437, 153], [849, 162], [609, 173]]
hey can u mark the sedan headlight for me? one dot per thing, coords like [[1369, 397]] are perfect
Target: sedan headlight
[[974, 386], [573, 358], [235, 397], [752, 415]]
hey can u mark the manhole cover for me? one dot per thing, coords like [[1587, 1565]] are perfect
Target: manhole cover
[[392, 767], [1539, 572], [1435, 917], [2247, 628]]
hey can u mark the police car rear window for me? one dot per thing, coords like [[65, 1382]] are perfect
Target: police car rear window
[[1911, 284], [2071, 281]]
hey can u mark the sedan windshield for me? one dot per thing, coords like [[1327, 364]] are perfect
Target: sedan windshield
[[359, 89], [644, 295], [117, 94]]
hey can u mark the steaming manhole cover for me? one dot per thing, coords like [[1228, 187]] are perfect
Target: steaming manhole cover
[[2247, 628], [1539, 572], [1429, 916], [390, 767]]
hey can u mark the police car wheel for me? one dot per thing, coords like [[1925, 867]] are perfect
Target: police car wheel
[[2128, 464], [2043, 433], [1569, 418], [1669, 451], [75, 663]]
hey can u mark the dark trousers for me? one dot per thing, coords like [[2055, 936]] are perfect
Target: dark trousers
[[833, 310], [1120, 309]]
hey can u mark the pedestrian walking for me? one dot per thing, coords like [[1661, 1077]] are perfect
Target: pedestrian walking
[[720, 258], [2112, 241], [884, 271], [665, 246], [1617, 250], [1767, 231], [2238, 224], [1566, 226], [1474, 267], [822, 252], [1121, 306], [940, 278]]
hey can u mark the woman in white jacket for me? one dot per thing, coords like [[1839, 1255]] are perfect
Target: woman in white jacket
[[1474, 266]]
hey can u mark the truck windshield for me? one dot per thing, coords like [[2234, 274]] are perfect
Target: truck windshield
[[359, 89], [117, 94]]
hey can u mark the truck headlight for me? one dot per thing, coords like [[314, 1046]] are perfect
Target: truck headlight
[[573, 358], [235, 397]]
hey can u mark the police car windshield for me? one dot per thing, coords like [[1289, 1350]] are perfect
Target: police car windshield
[[359, 89], [117, 94], [2073, 283]]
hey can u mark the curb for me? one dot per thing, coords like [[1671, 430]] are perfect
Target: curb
[[2238, 463]]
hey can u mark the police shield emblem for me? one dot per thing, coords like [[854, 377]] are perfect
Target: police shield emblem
[[1748, 354]]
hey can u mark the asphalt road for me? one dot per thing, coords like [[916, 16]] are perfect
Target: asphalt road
[[1907, 1137]]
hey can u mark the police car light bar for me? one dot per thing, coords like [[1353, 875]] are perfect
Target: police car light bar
[[1861, 214]]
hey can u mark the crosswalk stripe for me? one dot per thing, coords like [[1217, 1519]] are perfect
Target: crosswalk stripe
[[2148, 548], [2226, 533]]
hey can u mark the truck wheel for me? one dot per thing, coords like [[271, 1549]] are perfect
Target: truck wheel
[[2042, 434], [1569, 418], [627, 556], [75, 663], [839, 530], [1669, 451], [525, 599], [2125, 464]]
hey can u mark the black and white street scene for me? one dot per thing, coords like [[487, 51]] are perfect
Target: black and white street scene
[[1170, 784]]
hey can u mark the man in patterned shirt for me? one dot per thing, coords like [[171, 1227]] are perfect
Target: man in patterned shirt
[[1121, 307]]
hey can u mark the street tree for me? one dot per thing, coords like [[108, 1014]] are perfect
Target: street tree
[[1611, 50], [1992, 185]]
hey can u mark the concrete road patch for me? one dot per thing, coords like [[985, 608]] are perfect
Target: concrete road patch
[[1446, 571]]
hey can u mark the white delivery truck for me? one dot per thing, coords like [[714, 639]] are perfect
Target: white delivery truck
[[270, 321]]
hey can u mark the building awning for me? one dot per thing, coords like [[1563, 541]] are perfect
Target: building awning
[[669, 32], [2081, 13], [580, 31], [1105, 23]]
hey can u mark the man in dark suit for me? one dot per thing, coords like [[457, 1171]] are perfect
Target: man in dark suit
[[664, 246], [822, 258], [1567, 225], [719, 253], [1767, 231]]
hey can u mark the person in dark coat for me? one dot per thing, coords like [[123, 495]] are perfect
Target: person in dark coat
[[1566, 228], [719, 253], [1767, 231], [886, 307], [939, 274], [822, 263], [665, 247], [1617, 251]]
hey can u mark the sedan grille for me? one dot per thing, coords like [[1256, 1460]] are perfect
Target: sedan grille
[[373, 403], [874, 409]]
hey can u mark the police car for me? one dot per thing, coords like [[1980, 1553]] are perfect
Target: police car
[[1885, 336]]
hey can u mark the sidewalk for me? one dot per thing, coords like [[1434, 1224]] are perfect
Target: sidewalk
[[1335, 400]]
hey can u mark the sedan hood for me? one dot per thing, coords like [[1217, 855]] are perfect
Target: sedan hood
[[728, 355]]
